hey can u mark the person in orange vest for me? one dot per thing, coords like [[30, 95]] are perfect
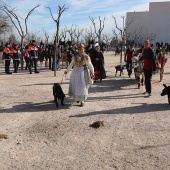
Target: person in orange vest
[[33, 53], [7, 56], [16, 57]]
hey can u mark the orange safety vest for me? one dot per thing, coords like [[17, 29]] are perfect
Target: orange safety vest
[[7, 53], [16, 54], [33, 51]]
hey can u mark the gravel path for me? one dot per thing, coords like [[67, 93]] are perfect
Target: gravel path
[[136, 134]]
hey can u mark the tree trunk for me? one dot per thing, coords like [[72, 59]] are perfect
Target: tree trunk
[[22, 64], [56, 48]]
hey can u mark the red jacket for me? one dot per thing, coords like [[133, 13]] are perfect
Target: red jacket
[[149, 59], [129, 55]]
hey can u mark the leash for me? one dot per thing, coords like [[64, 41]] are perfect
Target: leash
[[63, 78]]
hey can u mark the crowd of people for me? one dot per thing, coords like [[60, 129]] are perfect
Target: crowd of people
[[83, 60], [154, 61]]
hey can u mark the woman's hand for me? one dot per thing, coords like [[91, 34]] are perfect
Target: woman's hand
[[97, 59], [93, 76], [65, 72]]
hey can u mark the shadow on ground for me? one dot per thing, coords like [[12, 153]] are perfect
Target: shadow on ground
[[37, 107], [113, 84], [140, 109]]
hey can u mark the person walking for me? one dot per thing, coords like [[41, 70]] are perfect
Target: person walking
[[161, 61], [80, 78], [128, 59], [149, 65], [98, 61], [7, 56]]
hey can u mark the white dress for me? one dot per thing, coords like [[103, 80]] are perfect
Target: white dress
[[79, 80]]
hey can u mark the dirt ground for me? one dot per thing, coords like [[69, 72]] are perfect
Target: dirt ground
[[136, 134]]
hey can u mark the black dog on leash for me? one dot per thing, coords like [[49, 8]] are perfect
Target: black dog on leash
[[120, 68], [166, 91], [58, 94]]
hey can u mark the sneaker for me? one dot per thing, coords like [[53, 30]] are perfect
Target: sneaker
[[37, 72]]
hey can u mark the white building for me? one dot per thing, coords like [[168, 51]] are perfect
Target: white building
[[153, 24]]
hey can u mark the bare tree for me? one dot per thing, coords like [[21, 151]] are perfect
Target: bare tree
[[123, 32], [32, 36], [116, 37], [61, 9], [101, 27], [46, 36], [17, 22], [71, 31], [5, 28], [12, 39], [89, 35], [77, 34], [63, 34], [152, 36], [107, 38]]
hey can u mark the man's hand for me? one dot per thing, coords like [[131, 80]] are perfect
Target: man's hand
[[65, 72]]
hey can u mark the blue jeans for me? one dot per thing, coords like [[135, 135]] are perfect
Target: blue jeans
[[58, 62]]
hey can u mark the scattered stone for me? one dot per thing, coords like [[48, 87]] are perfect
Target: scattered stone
[[3, 136]]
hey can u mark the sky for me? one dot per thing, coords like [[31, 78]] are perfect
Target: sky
[[77, 14]]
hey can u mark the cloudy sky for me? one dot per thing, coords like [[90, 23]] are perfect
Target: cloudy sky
[[78, 12]]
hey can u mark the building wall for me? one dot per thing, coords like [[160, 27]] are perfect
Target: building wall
[[159, 20], [156, 21], [139, 24]]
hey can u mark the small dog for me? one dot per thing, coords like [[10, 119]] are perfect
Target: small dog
[[166, 91], [58, 94], [120, 68]]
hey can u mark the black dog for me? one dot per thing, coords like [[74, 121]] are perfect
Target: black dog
[[120, 68], [58, 94], [166, 91]]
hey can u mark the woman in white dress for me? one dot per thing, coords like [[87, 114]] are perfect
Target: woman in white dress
[[80, 79]]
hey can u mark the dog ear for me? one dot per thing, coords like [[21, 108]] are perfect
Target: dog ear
[[164, 85]]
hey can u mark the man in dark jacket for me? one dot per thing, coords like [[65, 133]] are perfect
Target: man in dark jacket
[[149, 65], [128, 58]]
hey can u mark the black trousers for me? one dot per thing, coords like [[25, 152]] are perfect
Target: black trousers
[[27, 60], [31, 62], [16, 65], [129, 67], [148, 78], [7, 65]]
